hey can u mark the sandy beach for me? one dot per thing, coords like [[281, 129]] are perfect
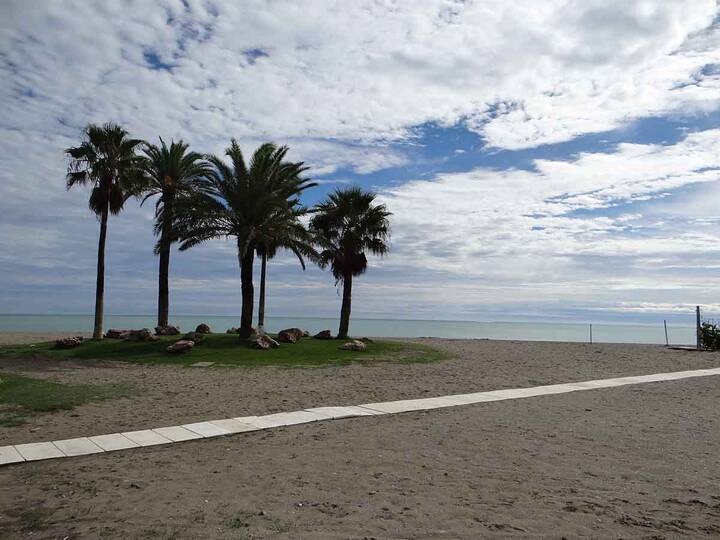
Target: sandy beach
[[638, 461]]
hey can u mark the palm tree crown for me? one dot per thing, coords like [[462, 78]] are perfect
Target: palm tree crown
[[346, 225], [106, 159]]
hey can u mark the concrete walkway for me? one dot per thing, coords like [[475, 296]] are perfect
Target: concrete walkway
[[215, 428]]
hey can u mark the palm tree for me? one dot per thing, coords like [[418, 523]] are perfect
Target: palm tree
[[345, 226], [106, 160], [171, 172], [284, 230], [241, 201]]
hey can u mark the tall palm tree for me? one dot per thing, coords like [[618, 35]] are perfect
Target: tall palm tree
[[240, 201], [345, 226], [284, 230], [106, 160], [173, 173]]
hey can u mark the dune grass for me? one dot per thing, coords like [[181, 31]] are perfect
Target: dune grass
[[229, 350], [22, 396]]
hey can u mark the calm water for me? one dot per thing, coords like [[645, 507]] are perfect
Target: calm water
[[608, 333]]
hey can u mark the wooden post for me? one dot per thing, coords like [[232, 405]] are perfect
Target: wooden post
[[697, 325], [591, 333], [667, 343]]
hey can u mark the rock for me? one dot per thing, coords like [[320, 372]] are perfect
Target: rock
[[265, 342], [232, 330], [116, 334], [182, 346], [143, 334], [306, 333], [285, 336], [325, 334], [294, 331], [366, 340], [194, 336], [354, 345], [69, 343], [202, 329], [168, 330]]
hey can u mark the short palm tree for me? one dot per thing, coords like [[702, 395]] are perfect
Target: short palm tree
[[284, 230], [241, 201], [345, 226], [106, 160], [172, 173]]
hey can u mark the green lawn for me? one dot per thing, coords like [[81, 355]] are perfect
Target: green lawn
[[229, 350], [22, 396]]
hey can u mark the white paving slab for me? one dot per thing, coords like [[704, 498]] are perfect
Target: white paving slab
[[286, 419], [78, 447], [206, 429], [177, 433], [36, 451], [113, 441], [233, 425], [146, 437], [8, 455], [339, 412], [202, 364]]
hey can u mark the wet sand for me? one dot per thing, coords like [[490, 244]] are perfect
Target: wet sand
[[637, 461]]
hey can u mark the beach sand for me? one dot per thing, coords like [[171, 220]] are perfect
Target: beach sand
[[636, 461]]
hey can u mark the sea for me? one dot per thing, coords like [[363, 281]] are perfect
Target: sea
[[529, 331]]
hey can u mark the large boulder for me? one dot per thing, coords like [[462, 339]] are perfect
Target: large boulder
[[265, 342], [324, 334], [354, 345], [143, 334], [202, 329], [285, 336], [180, 347], [168, 330], [297, 332], [194, 336], [114, 333], [69, 342]]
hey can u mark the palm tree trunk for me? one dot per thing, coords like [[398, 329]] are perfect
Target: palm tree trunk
[[345, 310], [164, 287], [164, 271], [246, 283], [261, 302], [100, 282]]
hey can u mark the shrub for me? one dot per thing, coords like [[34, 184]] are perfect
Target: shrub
[[710, 336]]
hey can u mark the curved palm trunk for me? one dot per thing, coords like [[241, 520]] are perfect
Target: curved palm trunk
[[164, 270], [246, 281], [100, 283], [345, 310], [261, 302]]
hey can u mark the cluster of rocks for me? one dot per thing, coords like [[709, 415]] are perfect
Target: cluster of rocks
[[289, 335], [168, 330], [143, 334], [185, 344], [69, 342]]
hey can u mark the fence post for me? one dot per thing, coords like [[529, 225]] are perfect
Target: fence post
[[667, 343], [697, 325], [590, 333]]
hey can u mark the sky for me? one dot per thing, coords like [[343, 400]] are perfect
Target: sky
[[554, 160]]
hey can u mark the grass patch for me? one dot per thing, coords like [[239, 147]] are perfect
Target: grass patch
[[229, 350], [22, 396]]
